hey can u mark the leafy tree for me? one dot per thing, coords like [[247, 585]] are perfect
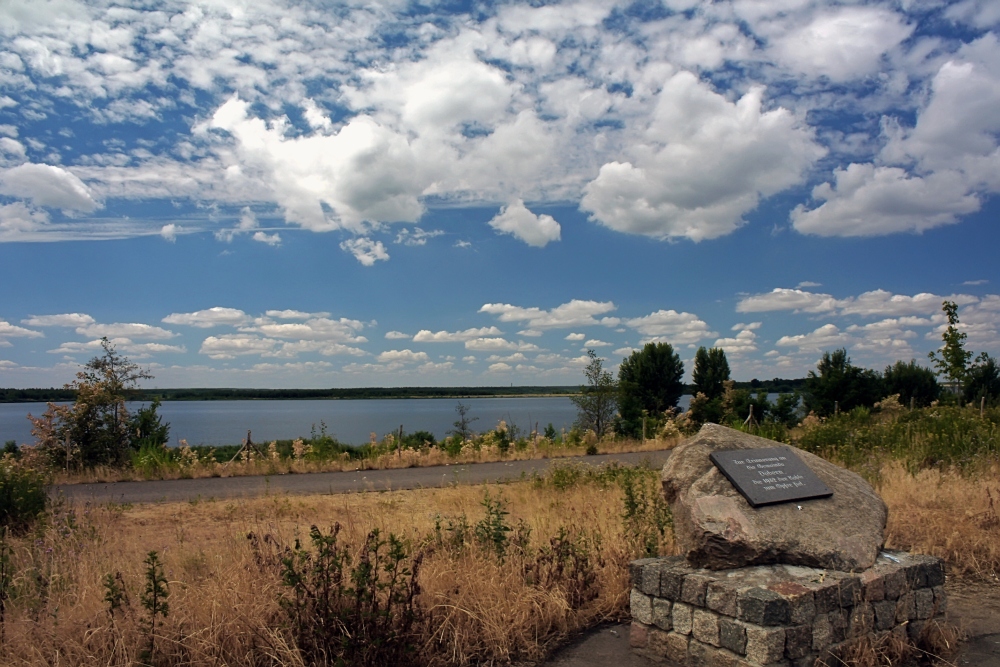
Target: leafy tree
[[911, 381], [147, 429], [649, 379], [462, 423], [982, 380], [786, 409], [837, 382], [952, 360], [711, 369], [97, 428], [597, 402]]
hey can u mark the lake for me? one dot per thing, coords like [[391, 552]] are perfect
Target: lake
[[227, 422]]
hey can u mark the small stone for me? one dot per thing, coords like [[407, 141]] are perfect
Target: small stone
[[638, 636], [733, 635], [682, 616], [636, 567], [662, 614], [940, 600], [641, 607], [671, 581], [765, 645], [873, 585], [707, 656], [885, 614], [693, 589], [906, 608], [923, 600], [822, 633], [721, 598], [676, 648], [705, 627], [657, 644], [762, 607], [798, 641]]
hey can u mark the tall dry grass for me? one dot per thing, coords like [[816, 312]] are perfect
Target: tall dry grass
[[478, 608]]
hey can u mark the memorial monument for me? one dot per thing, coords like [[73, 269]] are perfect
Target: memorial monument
[[783, 561]]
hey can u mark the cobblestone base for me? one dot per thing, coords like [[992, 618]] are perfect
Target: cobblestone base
[[777, 614]]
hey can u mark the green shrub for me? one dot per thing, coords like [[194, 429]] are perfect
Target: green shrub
[[22, 495]]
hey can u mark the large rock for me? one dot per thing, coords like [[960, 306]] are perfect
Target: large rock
[[718, 529]]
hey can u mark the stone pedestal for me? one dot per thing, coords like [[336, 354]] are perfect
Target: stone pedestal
[[777, 614]]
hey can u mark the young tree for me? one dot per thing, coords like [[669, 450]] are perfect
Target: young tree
[[597, 402], [952, 360], [97, 428], [911, 381], [982, 381], [463, 422], [711, 369], [838, 382], [649, 379]]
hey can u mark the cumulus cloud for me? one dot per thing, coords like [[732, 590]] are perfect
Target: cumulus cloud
[[60, 320], [571, 314], [782, 298], [365, 250], [269, 239], [47, 185], [124, 330], [169, 232], [8, 330], [402, 356], [575, 336], [535, 230], [416, 236], [397, 335], [743, 343], [671, 326], [497, 344], [316, 328], [826, 337], [427, 336], [706, 162], [230, 346], [210, 317]]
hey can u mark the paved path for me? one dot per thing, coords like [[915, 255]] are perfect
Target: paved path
[[332, 482]]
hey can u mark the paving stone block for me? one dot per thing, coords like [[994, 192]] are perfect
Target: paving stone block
[[676, 648], [862, 620], [705, 627], [733, 635], [873, 585], [762, 607], [885, 614], [636, 567], [798, 641], [940, 600], [657, 644], [682, 616], [709, 656], [923, 600], [906, 608], [822, 632], [671, 580], [694, 588], [914, 628], [721, 598], [662, 614], [850, 591], [649, 581], [638, 636], [641, 606], [895, 584], [765, 645]]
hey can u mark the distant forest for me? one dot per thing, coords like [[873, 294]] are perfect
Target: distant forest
[[777, 385]]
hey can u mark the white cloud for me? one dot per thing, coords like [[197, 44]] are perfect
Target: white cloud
[[365, 250], [535, 230], [976, 282], [210, 317], [402, 356], [499, 345], [416, 236], [872, 201], [883, 303], [169, 232], [294, 314], [123, 345], [123, 330], [229, 346], [575, 336], [841, 43], [752, 326], [317, 328], [8, 330], [500, 367], [397, 335], [572, 314], [248, 223], [426, 336], [826, 337], [705, 163], [269, 239], [20, 222], [594, 342], [60, 320], [782, 298], [671, 326], [530, 333], [743, 343], [47, 185]]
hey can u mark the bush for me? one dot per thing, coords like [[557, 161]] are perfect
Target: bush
[[22, 495]]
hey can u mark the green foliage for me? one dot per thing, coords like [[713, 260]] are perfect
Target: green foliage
[[711, 370], [115, 595], [11, 449], [952, 359], [550, 432], [785, 410], [491, 531], [983, 381], [597, 402], [419, 440], [649, 379], [147, 429], [838, 383], [646, 514], [23, 496], [154, 600], [346, 613], [463, 423], [912, 383]]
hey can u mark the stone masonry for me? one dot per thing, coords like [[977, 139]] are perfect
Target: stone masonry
[[773, 615]]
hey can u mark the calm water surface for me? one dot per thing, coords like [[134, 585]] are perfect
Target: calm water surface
[[227, 422]]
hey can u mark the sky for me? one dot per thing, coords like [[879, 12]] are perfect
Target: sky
[[332, 194]]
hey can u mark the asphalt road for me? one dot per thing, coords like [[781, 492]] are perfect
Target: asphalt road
[[175, 490]]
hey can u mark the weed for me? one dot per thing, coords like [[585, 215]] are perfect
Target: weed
[[154, 599], [491, 531]]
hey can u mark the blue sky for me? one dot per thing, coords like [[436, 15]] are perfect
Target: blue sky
[[296, 194]]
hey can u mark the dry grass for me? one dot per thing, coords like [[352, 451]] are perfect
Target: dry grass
[[407, 458], [947, 514], [224, 593]]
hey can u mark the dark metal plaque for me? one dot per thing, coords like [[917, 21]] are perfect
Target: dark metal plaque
[[769, 475]]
